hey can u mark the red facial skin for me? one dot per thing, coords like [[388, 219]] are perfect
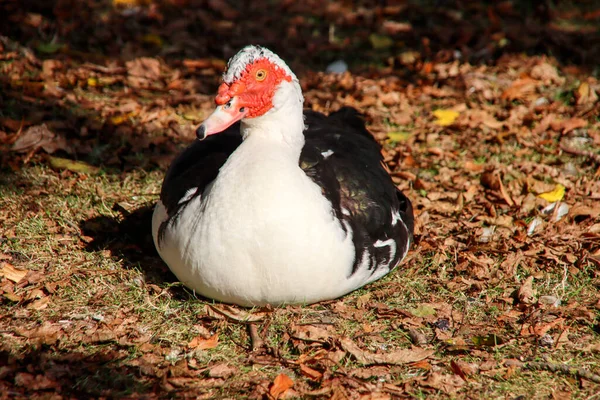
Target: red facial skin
[[254, 94]]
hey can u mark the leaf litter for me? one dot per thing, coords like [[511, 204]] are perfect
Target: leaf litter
[[495, 142]]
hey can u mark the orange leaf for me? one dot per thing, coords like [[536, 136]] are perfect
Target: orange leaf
[[311, 373], [201, 343], [11, 273], [280, 385]]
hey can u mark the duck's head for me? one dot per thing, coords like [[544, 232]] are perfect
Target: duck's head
[[257, 83]]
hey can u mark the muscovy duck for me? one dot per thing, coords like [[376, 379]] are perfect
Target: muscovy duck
[[276, 205]]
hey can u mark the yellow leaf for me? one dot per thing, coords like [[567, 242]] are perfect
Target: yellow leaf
[[128, 3], [555, 195], [153, 39], [119, 119], [398, 136], [445, 117], [72, 165], [93, 82], [380, 41]]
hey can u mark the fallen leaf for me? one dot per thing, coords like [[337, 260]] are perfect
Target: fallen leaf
[[423, 310], [280, 385], [39, 304], [490, 340], [537, 221], [448, 384], [397, 357], [154, 39], [417, 337], [72, 165], [555, 195], [585, 94], [201, 343], [222, 370], [561, 211], [445, 117], [39, 136], [572, 124], [234, 313], [312, 333], [458, 370], [473, 167], [550, 300], [11, 273], [121, 119], [525, 293], [398, 136], [520, 89], [380, 41], [311, 373], [37, 382]]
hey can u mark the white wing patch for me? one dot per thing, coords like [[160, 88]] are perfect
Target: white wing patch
[[327, 154], [396, 217], [391, 243], [188, 195], [345, 211]]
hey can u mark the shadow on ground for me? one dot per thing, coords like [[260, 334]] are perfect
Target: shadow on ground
[[70, 374], [129, 238]]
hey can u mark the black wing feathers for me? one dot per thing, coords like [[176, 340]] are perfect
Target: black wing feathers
[[196, 167], [342, 157]]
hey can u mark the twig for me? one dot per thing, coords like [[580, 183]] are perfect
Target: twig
[[255, 339], [562, 368], [595, 157]]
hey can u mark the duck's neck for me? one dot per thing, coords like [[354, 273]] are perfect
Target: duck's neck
[[282, 126]]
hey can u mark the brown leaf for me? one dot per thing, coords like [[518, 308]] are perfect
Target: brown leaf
[[144, 67], [40, 304], [520, 89], [473, 167], [311, 373], [546, 73], [234, 313], [201, 343], [280, 385], [585, 94], [11, 273], [37, 382], [458, 370], [39, 136], [448, 384], [396, 357], [311, 333], [526, 294], [222, 370], [48, 332], [573, 123], [490, 180]]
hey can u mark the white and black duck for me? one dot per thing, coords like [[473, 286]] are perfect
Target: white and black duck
[[285, 206]]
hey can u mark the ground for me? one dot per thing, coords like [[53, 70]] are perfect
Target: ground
[[488, 115]]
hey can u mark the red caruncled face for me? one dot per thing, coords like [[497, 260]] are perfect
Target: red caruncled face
[[255, 88]]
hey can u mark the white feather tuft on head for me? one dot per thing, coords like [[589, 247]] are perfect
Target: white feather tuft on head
[[248, 55]]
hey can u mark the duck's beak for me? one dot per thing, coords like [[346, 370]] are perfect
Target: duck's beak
[[222, 118]]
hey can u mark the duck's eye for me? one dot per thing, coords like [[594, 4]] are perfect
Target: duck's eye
[[261, 75]]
